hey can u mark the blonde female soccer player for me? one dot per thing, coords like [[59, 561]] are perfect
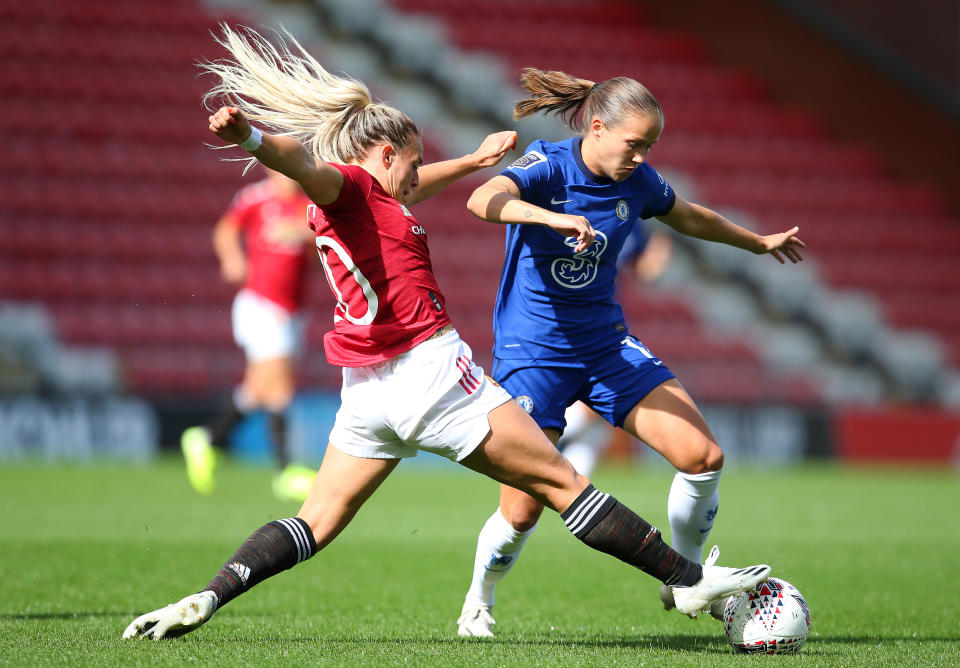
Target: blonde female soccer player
[[409, 381]]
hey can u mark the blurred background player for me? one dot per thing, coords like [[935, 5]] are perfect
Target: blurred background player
[[560, 336], [586, 437], [262, 243]]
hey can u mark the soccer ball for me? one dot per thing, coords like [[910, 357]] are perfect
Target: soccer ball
[[771, 618]]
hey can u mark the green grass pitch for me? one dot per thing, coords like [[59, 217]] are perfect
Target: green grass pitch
[[84, 549]]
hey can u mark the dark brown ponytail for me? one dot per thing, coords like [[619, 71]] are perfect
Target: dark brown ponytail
[[553, 92]]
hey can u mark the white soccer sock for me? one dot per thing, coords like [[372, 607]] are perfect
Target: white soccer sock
[[498, 548], [584, 439], [583, 456], [691, 509]]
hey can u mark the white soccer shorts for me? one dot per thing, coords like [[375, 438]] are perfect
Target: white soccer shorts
[[432, 398], [265, 330]]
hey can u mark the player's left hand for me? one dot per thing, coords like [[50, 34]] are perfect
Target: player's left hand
[[784, 245], [494, 147], [233, 269]]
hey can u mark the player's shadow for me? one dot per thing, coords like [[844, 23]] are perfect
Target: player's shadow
[[873, 640], [678, 641], [38, 616], [675, 641]]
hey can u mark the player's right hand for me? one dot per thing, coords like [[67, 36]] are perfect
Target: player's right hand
[[573, 226], [230, 125]]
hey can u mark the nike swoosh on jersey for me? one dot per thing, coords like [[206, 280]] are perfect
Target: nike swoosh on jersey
[[555, 202]]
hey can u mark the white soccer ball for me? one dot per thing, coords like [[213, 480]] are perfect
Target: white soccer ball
[[771, 618]]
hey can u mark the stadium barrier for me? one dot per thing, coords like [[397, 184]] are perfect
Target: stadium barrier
[[78, 428], [905, 434], [134, 429]]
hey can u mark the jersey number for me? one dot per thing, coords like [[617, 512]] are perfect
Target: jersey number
[[372, 303]]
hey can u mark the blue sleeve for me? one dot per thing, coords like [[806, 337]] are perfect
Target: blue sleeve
[[660, 196], [531, 173]]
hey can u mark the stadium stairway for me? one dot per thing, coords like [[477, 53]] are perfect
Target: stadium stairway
[[109, 193], [110, 228]]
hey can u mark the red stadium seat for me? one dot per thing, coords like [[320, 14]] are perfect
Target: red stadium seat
[[112, 228]]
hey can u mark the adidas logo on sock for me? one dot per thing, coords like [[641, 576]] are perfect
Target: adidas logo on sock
[[243, 572]]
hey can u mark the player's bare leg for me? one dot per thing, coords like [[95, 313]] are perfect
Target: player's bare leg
[[341, 487], [516, 453], [669, 422]]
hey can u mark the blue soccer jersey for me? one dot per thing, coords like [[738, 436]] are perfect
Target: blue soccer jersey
[[553, 304]]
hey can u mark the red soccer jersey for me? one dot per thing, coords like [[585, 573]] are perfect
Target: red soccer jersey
[[273, 230], [376, 260]]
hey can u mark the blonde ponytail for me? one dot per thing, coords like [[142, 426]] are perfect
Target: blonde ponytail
[[286, 90]]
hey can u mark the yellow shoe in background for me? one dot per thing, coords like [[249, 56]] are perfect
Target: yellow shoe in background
[[293, 483], [201, 459]]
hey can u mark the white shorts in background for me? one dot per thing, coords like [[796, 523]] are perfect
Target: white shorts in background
[[264, 329], [431, 398]]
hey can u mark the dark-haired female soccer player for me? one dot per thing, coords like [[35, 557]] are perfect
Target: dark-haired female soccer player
[[560, 336], [409, 381]]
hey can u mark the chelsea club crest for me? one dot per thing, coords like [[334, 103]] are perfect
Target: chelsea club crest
[[525, 402], [623, 211]]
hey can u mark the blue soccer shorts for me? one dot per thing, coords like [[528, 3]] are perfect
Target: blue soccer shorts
[[611, 381]]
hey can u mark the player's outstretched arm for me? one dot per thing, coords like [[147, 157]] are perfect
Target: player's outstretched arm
[[698, 221], [498, 201], [438, 175], [320, 181]]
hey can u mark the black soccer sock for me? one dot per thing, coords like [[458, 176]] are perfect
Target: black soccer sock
[[220, 425], [278, 432], [271, 549], [605, 524]]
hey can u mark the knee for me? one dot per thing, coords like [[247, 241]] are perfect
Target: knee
[[523, 516], [714, 459], [708, 457]]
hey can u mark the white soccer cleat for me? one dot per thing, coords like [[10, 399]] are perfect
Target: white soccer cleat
[[475, 621], [666, 597], [174, 620], [716, 608], [717, 583]]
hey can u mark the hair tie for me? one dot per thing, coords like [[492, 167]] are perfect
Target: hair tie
[[593, 87]]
